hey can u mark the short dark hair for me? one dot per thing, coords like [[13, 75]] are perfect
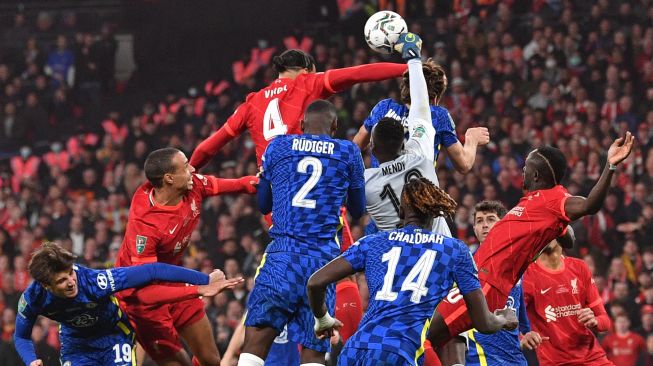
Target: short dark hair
[[158, 164], [293, 59], [319, 113], [556, 162], [436, 82], [388, 134], [49, 260], [490, 206]]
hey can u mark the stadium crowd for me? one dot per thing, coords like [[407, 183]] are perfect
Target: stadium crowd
[[571, 74]]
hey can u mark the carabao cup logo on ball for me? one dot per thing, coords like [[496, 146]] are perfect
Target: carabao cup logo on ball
[[382, 31]]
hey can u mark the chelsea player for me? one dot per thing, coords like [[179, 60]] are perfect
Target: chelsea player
[[409, 270], [305, 180], [94, 331]]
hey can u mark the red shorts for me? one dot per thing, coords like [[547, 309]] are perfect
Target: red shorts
[[156, 326], [455, 314]]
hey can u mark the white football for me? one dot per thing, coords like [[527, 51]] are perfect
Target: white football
[[383, 29]]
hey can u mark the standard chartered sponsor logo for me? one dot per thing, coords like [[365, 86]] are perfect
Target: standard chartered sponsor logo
[[553, 313]]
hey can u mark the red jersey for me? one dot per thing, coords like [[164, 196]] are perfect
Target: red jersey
[[157, 233], [553, 300], [279, 108], [517, 239], [349, 309], [624, 350]]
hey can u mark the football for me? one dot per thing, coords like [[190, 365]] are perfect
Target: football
[[383, 29]]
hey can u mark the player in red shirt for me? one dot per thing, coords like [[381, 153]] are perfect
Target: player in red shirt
[[278, 108], [517, 239], [164, 212], [564, 305], [624, 347]]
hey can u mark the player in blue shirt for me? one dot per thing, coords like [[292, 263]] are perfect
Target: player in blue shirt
[[409, 270], [461, 156], [305, 180], [94, 331]]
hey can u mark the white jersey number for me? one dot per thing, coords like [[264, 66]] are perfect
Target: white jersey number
[[272, 123], [300, 200], [415, 280]]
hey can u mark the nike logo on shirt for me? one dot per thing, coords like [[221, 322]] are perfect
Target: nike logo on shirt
[[545, 291], [173, 229]]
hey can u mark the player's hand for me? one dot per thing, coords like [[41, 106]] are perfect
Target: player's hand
[[215, 288], [409, 45], [587, 318], [620, 149], [38, 362], [327, 330], [478, 135], [531, 340], [249, 182], [216, 275], [511, 318]]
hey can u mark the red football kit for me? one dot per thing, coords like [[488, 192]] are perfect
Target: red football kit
[[624, 350], [157, 233], [278, 108], [349, 308], [553, 299], [512, 244]]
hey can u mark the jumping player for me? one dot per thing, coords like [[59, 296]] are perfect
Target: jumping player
[[305, 180], [564, 305], [164, 212], [409, 271], [94, 330], [278, 108], [515, 241]]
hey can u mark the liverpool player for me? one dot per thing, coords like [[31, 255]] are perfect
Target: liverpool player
[[515, 241], [277, 109], [564, 305], [624, 348], [164, 212]]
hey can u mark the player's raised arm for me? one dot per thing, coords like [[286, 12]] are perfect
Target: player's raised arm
[[356, 192], [577, 207], [208, 148], [337, 80], [463, 156]]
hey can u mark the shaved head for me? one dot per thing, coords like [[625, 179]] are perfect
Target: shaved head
[[320, 117]]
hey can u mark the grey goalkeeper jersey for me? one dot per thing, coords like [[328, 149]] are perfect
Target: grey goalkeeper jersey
[[383, 185]]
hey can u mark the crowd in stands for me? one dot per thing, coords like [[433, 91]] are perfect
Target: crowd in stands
[[571, 74]]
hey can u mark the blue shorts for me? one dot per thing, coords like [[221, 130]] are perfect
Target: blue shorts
[[283, 354], [279, 297], [110, 350], [367, 357]]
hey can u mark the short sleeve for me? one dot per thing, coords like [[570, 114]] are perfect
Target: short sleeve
[[357, 168], [237, 123], [556, 202], [357, 254], [446, 128], [465, 273], [27, 311], [378, 112], [208, 185], [315, 84], [141, 239]]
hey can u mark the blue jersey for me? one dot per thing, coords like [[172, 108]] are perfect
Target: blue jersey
[[409, 271], [502, 347], [310, 176], [92, 313], [445, 129]]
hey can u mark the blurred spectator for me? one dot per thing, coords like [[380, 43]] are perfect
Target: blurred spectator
[[624, 347], [61, 64]]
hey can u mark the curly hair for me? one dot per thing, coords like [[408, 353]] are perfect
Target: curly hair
[[436, 81], [427, 199]]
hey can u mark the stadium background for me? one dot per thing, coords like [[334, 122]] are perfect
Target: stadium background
[[153, 73]]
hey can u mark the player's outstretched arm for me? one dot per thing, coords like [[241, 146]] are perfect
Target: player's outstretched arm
[[464, 156], [577, 207], [316, 287], [337, 80], [264, 194], [362, 138], [208, 148]]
